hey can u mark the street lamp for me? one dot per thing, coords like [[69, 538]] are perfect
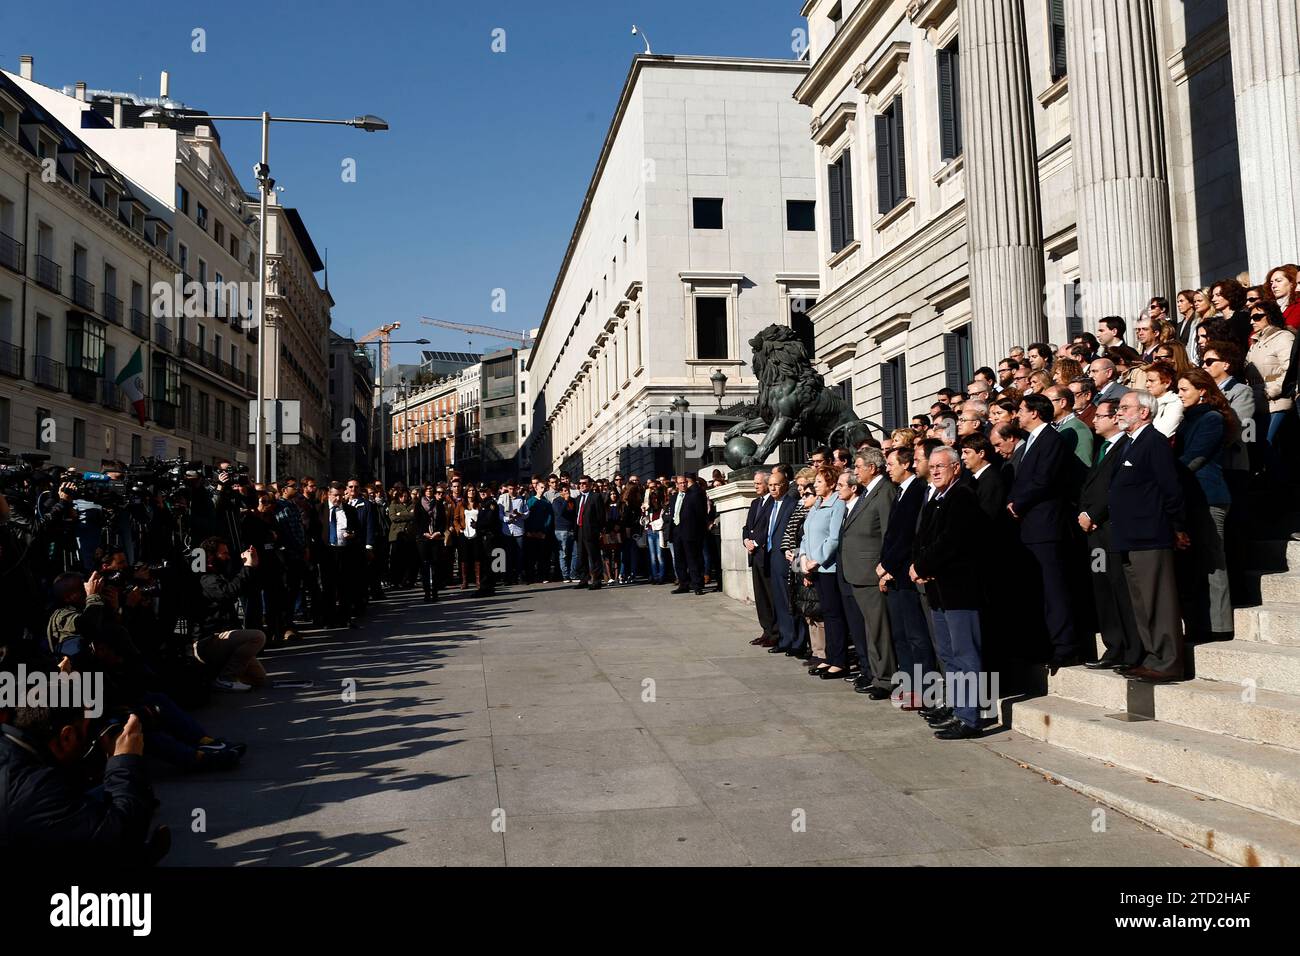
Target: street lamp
[[361, 353], [680, 405], [262, 172], [719, 381], [406, 436]]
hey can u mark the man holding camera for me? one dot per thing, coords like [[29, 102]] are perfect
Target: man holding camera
[[219, 641]]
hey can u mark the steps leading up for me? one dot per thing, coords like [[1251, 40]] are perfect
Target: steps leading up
[[1224, 830], [1256, 776], [1263, 716]]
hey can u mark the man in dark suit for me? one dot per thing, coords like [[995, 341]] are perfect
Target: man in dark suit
[[429, 527], [774, 560], [1147, 523], [690, 516], [342, 539], [367, 537], [1038, 502], [909, 630], [590, 524], [861, 542], [1109, 586], [754, 538], [946, 558]]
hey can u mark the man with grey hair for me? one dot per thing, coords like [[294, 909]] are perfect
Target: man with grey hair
[[1148, 522], [862, 538], [947, 564], [755, 540], [973, 419]]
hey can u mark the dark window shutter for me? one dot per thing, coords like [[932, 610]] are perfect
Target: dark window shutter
[[900, 154], [947, 105], [837, 209], [884, 164], [846, 176], [888, 404], [1073, 320], [952, 361], [958, 145], [901, 381], [1060, 63]]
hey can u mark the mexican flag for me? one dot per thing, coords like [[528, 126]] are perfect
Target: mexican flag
[[131, 381]]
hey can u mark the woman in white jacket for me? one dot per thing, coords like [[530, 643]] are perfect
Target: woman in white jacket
[[1169, 408]]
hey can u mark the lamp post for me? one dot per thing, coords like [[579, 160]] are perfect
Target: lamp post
[[719, 380], [262, 172], [406, 434]]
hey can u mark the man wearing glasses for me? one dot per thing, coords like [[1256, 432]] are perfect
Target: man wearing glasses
[[365, 536], [590, 523]]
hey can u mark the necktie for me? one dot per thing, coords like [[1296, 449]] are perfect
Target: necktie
[[334, 529], [582, 504], [1101, 452], [771, 524]]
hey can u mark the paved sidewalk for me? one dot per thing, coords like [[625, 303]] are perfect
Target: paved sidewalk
[[525, 712]]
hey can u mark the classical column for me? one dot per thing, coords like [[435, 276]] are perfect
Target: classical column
[[1265, 36], [1118, 148], [1001, 178]]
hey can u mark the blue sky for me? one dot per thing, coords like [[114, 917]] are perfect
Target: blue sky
[[477, 185]]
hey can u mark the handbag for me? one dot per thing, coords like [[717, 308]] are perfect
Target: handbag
[[804, 597], [657, 524]]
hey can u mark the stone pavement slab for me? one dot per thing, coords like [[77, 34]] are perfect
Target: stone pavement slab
[[552, 726]]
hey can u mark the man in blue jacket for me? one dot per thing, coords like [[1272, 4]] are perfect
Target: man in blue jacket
[[1147, 523]]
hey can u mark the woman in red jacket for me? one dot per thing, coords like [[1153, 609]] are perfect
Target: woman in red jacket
[[1282, 282]]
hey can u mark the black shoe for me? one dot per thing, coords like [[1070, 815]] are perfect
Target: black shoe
[[826, 674], [699, 590], [777, 649], [957, 731], [928, 712], [594, 587], [939, 719], [1101, 665], [1058, 662], [680, 589], [879, 693]]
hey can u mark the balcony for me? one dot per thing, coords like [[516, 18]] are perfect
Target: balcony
[[49, 274], [163, 413], [12, 253], [83, 384], [111, 396], [11, 360], [162, 336], [48, 373], [83, 293], [140, 324], [113, 309]]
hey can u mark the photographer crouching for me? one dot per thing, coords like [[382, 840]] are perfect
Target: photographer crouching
[[219, 640]]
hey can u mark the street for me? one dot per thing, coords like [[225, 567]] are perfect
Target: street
[[551, 726]]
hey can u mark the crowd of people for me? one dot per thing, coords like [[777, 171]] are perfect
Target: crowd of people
[[1094, 487], [1091, 487]]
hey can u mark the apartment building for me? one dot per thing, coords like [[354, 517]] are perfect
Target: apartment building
[[696, 232]]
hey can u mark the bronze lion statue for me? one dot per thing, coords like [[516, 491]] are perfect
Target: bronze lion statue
[[793, 399]]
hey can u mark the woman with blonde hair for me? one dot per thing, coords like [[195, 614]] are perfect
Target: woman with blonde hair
[[1159, 379], [1175, 354]]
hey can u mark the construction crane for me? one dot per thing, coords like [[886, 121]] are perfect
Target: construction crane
[[519, 339], [384, 332]]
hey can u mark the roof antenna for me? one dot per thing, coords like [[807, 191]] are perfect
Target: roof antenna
[[644, 38]]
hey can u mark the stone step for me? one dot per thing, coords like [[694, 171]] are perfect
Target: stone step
[[1276, 623], [1273, 667], [1213, 706], [1279, 588], [1226, 831], [1252, 775]]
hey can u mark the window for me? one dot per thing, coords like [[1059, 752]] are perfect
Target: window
[[182, 199], [800, 215], [958, 365], [78, 438], [950, 145], [234, 247], [1056, 30], [4, 421], [203, 413], [706, 213], [802, 325], [840, 183], [891, 168], [202, 217], [137, 448], [219, 233], [893, 393], [710, 327], [219, 421], [42, 434], [1073, 320]]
